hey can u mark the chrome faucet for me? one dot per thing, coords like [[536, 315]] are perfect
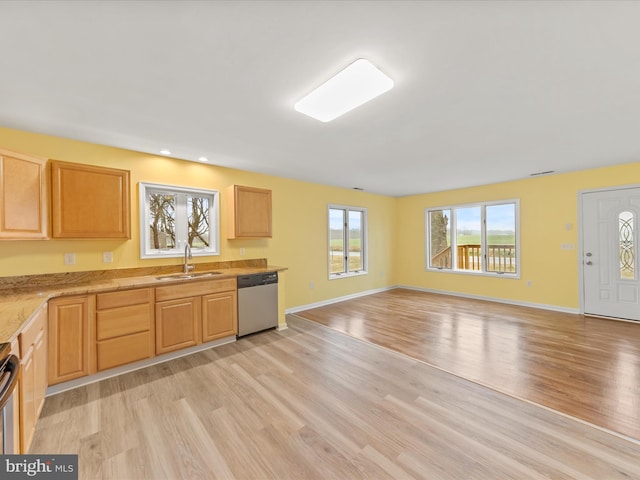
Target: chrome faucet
[[187, 257]]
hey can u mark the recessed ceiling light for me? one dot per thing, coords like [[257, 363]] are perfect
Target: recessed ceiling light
[[203, 159], [165, 152], [357, 84]]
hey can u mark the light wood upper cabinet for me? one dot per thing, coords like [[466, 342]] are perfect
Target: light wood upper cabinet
[[33, 380], [89, 201], [23, 193], [69, 337], [248, 212]]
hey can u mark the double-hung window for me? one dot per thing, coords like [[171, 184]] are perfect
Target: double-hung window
[[172, 217], [347, 241], [478, 238]]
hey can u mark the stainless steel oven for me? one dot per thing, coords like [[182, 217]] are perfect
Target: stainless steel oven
[[9, 371]]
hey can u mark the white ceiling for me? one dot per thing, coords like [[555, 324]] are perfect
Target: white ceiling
[[484, 91]]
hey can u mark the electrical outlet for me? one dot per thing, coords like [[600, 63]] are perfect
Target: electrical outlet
[[311, 285], [242, 251], [107, 257], [69, 258]]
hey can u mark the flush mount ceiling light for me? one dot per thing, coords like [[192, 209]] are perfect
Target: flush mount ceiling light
[[165, 152], [357, 84]]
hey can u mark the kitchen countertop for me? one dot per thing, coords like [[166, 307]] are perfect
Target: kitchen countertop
[[18, 305]]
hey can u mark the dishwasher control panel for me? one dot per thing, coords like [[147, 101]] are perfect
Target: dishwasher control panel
[[257, 279]]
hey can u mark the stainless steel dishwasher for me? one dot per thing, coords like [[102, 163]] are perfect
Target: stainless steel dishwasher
[[257, 302]]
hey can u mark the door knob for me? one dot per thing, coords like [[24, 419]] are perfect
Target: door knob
[[588, 254], [589, 262]]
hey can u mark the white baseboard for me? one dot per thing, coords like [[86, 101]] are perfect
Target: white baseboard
[[330, 301], [114, 372], [542, 306], [337, 300]]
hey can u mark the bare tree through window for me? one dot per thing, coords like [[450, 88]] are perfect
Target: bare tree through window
[[162, 208], [198, 235]]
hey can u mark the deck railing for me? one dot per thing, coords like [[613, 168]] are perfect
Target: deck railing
[[500, 258]]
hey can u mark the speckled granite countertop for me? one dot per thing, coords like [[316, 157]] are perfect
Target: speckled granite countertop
[[22, 297]]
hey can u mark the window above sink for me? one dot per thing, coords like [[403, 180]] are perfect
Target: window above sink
[[172, 217]]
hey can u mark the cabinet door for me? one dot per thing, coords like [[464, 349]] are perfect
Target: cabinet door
[[41, 374], [68, 338], [27, 399], [23, 207], [33, 382], [249, 212], [219, 315], [89, 201], [178, 324]]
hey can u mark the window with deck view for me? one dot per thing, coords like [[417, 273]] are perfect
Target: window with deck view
[[479, 238], [347, 241], [172, 217]]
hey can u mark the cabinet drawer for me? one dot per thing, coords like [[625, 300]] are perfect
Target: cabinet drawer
[[195, 289], [116, 322], [124, 298], [30, 333], [123, 350]]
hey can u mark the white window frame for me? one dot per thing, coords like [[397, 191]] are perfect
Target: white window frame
[[363, 246], [483, 240], [181, 221]]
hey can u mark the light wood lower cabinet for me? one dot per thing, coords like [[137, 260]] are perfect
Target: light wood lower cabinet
[[189, 314], [219, 315], [33, 377], [124, 327], [93, 333], [69, 337], [178, 324]]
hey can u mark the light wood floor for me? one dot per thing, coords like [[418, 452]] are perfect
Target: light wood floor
[[312, 403], [585, 367]]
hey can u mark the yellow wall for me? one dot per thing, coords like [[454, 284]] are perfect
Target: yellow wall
[[299, 222], [547, 206], [396, 228]]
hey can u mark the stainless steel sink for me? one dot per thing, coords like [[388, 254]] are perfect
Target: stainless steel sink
[[186, 276]]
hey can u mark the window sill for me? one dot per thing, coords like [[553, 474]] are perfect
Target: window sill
[[335, 276], [475, 273], [180, 254]]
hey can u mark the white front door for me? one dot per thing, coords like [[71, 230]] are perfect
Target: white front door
[[611, 282]]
